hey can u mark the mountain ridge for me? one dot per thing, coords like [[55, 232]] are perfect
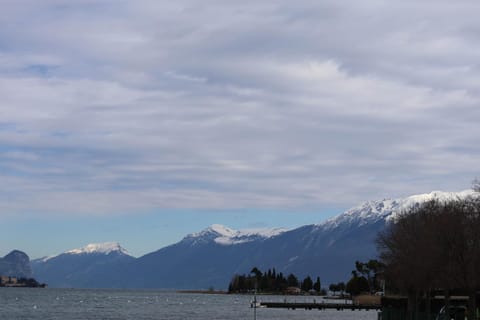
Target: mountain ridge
[[210, 257], [375, 210], [226, 236]]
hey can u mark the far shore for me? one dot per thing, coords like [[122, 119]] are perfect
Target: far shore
[[203, 291]]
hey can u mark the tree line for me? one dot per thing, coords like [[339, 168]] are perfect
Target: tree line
[[272, 282]]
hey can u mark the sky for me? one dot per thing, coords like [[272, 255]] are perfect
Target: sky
[[142, 121]]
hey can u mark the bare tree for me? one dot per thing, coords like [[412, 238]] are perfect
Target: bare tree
[[470, 264], [436, 245], [410, 257]]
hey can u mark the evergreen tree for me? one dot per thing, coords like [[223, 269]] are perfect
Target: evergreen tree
[[280, 282], [307, 284], [263, 285], [317, 286], [256, 272], [292, 281]]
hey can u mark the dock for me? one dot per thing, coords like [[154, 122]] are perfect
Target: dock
[[318, 306]]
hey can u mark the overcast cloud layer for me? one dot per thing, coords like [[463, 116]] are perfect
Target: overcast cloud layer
[[128, 106]]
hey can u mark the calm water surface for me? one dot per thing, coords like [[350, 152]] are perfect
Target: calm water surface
[[66, 304]]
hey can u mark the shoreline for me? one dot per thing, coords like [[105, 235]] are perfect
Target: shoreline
[[202, 291]]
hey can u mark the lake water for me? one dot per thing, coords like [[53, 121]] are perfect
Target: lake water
[[66, 304]]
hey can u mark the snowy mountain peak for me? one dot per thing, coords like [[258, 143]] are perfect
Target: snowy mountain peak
[[222, 230], [388, 209], [438, 195], [101, 248], [225, 236]]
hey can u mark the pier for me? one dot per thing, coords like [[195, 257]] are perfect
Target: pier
[[318, 306]]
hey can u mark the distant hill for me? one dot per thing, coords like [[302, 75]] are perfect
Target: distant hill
[[211, 257], [16, 264]]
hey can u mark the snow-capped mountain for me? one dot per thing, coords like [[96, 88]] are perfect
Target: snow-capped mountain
[[89, 266], [210, 257], [388, 209], [113, 249], [100, 248], [225, 236], [105, 248]]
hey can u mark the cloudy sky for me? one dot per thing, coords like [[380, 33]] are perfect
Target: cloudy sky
[[140, 121]]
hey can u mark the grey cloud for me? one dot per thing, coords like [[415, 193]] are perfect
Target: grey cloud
[[218, 105]]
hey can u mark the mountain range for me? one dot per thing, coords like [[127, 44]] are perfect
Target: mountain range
[[211, 257]]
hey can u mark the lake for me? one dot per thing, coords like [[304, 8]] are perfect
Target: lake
[[65, 304]]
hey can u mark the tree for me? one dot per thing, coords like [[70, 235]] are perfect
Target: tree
[[435, 245], [292, 281], [369, 270], [239, 283], [317, 285], [280, 282], [256, 272], [307, 284], [357, 285]]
